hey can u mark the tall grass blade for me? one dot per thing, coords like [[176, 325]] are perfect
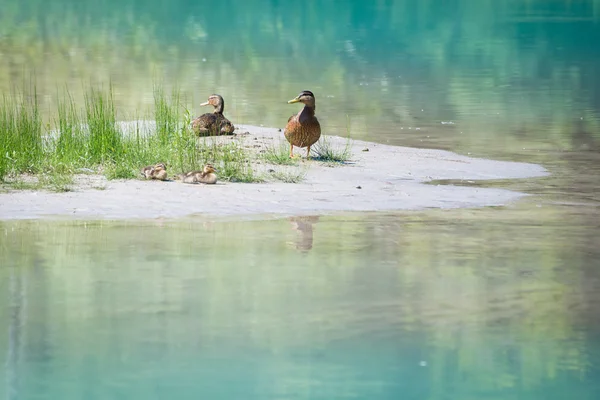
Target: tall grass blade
[[21, 146], [71, 144], [105, 142], [166, 114]]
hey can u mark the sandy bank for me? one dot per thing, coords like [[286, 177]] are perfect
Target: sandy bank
[[389, 177]]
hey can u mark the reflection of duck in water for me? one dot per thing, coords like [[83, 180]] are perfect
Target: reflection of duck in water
[[304, 226]]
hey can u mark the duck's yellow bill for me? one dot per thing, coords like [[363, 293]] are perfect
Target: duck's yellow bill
[[205, 104], [296, 100]]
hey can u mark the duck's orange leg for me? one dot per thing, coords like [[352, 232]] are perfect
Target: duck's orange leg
[[308, 152], [291, 151]]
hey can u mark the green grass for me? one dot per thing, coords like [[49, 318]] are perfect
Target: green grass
[[21, 185], [279, 155], [54, 182], [325, 150], [21, 143], [231, 160], [70, 149], [289, 176], [105, 141], [166, 114], [88, 136]]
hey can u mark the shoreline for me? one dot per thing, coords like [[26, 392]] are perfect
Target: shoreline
[[384, 178]]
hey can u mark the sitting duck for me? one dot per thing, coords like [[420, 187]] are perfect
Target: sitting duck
[[206, 176], [158, 171], [215, 123]]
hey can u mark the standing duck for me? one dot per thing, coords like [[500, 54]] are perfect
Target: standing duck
[[206, 176], [158, 171], [303, 129], [213, 124]]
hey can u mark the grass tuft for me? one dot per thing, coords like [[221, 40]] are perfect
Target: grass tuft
[[230, 159], [70, 145], [289, 176], [166, 114], [279, 155], [324, 150], [105, 142], [120, 171], [52, 181], [21, 145], [21, 185], [56, 182]]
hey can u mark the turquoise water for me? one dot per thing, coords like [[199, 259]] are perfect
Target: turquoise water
[[511, 80], [497, 303], [420, 305], [501, 76]]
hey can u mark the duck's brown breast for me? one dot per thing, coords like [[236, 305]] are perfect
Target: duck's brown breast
[[302, 134]]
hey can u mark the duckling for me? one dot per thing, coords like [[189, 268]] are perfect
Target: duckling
[[158, 171], [214, 123], [303, 129], [188, 177], [206, 176]]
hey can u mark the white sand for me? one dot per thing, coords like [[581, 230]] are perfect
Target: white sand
[[390, 177]]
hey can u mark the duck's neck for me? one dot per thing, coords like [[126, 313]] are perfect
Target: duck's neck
[[219, 108], [306, 113]]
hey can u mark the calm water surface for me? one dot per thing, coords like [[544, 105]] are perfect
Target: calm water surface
[[422, 306], [476, 304]]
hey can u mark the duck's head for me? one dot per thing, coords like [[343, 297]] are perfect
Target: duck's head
[[216, 101], [160, 166], [209, 169], [306, 96]]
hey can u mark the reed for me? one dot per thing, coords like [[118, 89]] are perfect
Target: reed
[[166, 114], [21, 147], [105, 142], [71, 147], [89, 138]]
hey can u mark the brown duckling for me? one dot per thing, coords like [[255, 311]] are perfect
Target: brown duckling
[[206, 176], [303, 129], [158, 171], [215, 123]]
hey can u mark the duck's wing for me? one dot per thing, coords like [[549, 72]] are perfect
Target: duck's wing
[[146, 171], [204, 123], [192, 173]]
